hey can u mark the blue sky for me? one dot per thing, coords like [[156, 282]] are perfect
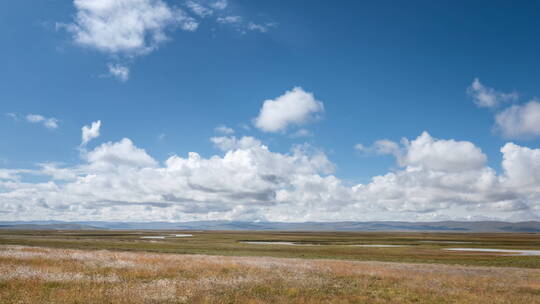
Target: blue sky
[[380, 69]]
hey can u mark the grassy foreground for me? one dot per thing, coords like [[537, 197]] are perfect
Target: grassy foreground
[[46, 275]]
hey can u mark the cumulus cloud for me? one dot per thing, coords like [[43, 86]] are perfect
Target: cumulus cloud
[[295, 107], [437, 176], [519, 121], [118, 71], [436, 179], [120, 179], [49, 123], [224, 130], [487, 97], [130, 27], [119, 154], [428, 153], [521, 166], [89, 133]]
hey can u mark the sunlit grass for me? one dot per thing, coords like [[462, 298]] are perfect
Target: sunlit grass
[[47, 275]]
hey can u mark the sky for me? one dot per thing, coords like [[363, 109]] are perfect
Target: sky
[[173, 110]]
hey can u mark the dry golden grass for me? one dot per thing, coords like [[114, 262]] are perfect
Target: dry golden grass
[[45, 275]]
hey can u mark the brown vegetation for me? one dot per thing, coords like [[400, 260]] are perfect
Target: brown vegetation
[[46, 275]]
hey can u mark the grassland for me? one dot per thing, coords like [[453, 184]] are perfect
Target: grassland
[[45, 275], [216, 267], [329, 245]]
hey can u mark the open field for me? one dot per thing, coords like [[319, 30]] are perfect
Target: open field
[[45, 275], [417, 247], [287, 267]]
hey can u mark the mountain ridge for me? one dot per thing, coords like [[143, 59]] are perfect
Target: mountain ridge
[[441, 226]]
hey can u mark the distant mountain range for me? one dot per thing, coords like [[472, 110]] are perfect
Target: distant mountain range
[[445, 226]]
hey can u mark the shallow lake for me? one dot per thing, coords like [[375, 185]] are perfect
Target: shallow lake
[[509, 251], [269, 243], [306, 244], [376, 245], [446, 242]]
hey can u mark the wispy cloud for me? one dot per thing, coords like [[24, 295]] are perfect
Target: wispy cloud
[[224, 130], [48, 122], [131, 27], [118, 71], [199, 9], [219, 4], [518, 121], [229, 19], [262, 28], [13, 116], [125, 29], [301, 133], [487, 97]]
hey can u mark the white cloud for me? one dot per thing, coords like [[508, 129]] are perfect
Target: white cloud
[[521, 166], [131, 27], [381, 147], [13, 116], [487, 97], [428, 153], [128, 28], [519, 121], [229, 19], [437, 179], [245, 126], [89, 133], [49, 123], [56, 173], [125, 28], [295, 107], [232, 143], [120, 180], [219, 4], [516, 121], [119, 154], [224, 130], [443, 155], [262, 28], [118, 71], [199, 9], [11, 174], [301, 133]]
